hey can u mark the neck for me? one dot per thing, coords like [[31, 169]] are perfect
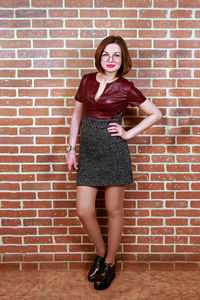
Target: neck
[[107, 77]]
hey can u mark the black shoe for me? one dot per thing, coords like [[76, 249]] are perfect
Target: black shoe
[[99, 260], [105, 277]]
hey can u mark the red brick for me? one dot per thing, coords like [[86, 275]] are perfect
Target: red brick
[[30, 13], [108, 23], [47, 23], [178, 186], [32, 73], [7, 93], [165, 24], [139, 43], [7, 112], [137, 23], [4, 149], [136, 267], [35, 168], [152, 33], [63, 33], [189, 44], [78, 3], [165, 3], [10, 204], [164, 63], [78, 63], [64, 53], [96, 13], [32, 53], [35, 186], [17, 195], [181, 54], [8, 34], [6, 13], [104, 3], [12, 240], [181, 34], [165, 44], [13, 3], [48, 83], [17, 249], [186, 267], [176, 222], [64, 13], [10, 267], [14, 23], [15, 64], [137, 3], [189, 24], [67, 257], [187, 4], [162, 231], [48, 43], [12, 257], [180, 92], [161, 267], [33, 93], [11, 222], [178, 168], [181, 14], [164, 83], [47, 3], [25, 33], [7, 73]]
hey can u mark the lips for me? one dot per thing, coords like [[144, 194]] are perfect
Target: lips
[[110, 66]]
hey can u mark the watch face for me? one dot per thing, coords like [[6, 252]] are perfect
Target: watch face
[[68, 148]]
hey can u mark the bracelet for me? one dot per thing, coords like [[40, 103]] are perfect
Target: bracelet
[[69, 148]]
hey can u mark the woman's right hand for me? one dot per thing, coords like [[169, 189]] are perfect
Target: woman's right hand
[[71, 161]]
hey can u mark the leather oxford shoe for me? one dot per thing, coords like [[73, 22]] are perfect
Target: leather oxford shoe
[[99, 260], [105, 276]]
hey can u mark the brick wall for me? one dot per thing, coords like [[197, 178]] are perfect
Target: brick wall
[[46, 46]]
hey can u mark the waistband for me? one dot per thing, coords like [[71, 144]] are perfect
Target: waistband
[[98, 120]]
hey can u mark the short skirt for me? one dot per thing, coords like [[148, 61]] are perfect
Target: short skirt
[[104, 160]]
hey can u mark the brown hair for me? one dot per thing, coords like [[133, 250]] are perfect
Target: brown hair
[[126, 60]]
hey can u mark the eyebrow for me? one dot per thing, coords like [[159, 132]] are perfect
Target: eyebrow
[[114, 52]]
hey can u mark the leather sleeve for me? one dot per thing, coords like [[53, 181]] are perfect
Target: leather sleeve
[[134, 96]]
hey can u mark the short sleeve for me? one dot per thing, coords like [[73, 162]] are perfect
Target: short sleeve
[[134, 96], [79, 94]]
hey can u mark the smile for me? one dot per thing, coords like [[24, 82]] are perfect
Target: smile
[[110, 66]]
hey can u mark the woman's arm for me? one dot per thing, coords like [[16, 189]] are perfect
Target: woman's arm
[[74, 128], [153, 116]]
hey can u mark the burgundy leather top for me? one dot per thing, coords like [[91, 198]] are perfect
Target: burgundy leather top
[[113, 101]]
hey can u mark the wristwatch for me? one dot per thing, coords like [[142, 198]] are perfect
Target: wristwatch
[[69, 147]]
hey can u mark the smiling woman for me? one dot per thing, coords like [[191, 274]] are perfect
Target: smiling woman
[[104, 158]]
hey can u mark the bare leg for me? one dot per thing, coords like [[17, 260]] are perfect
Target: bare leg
[[114, 203], [85, 205]]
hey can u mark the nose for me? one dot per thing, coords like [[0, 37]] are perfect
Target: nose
[[110, 58]]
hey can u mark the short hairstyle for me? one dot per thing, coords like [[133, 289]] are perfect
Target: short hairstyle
[[126, 60]]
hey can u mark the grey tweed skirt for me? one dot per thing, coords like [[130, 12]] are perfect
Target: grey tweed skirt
[[104, 160]]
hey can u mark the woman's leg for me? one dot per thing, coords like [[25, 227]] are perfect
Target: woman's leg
[[85, 206], [114, 204]]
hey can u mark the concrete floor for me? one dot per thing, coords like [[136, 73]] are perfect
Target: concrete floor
[[73, 285]]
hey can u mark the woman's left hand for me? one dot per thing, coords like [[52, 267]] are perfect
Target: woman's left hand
[[117, 130]]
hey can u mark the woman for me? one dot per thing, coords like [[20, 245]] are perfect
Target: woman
[[104, 158]]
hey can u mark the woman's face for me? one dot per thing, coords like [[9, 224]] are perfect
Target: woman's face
[[111, 58]]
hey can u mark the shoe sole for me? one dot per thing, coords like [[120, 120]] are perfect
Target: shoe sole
[[92, 280], [103, 287]]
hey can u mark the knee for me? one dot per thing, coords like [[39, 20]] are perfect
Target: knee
[[115, 212], [84, 214]]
